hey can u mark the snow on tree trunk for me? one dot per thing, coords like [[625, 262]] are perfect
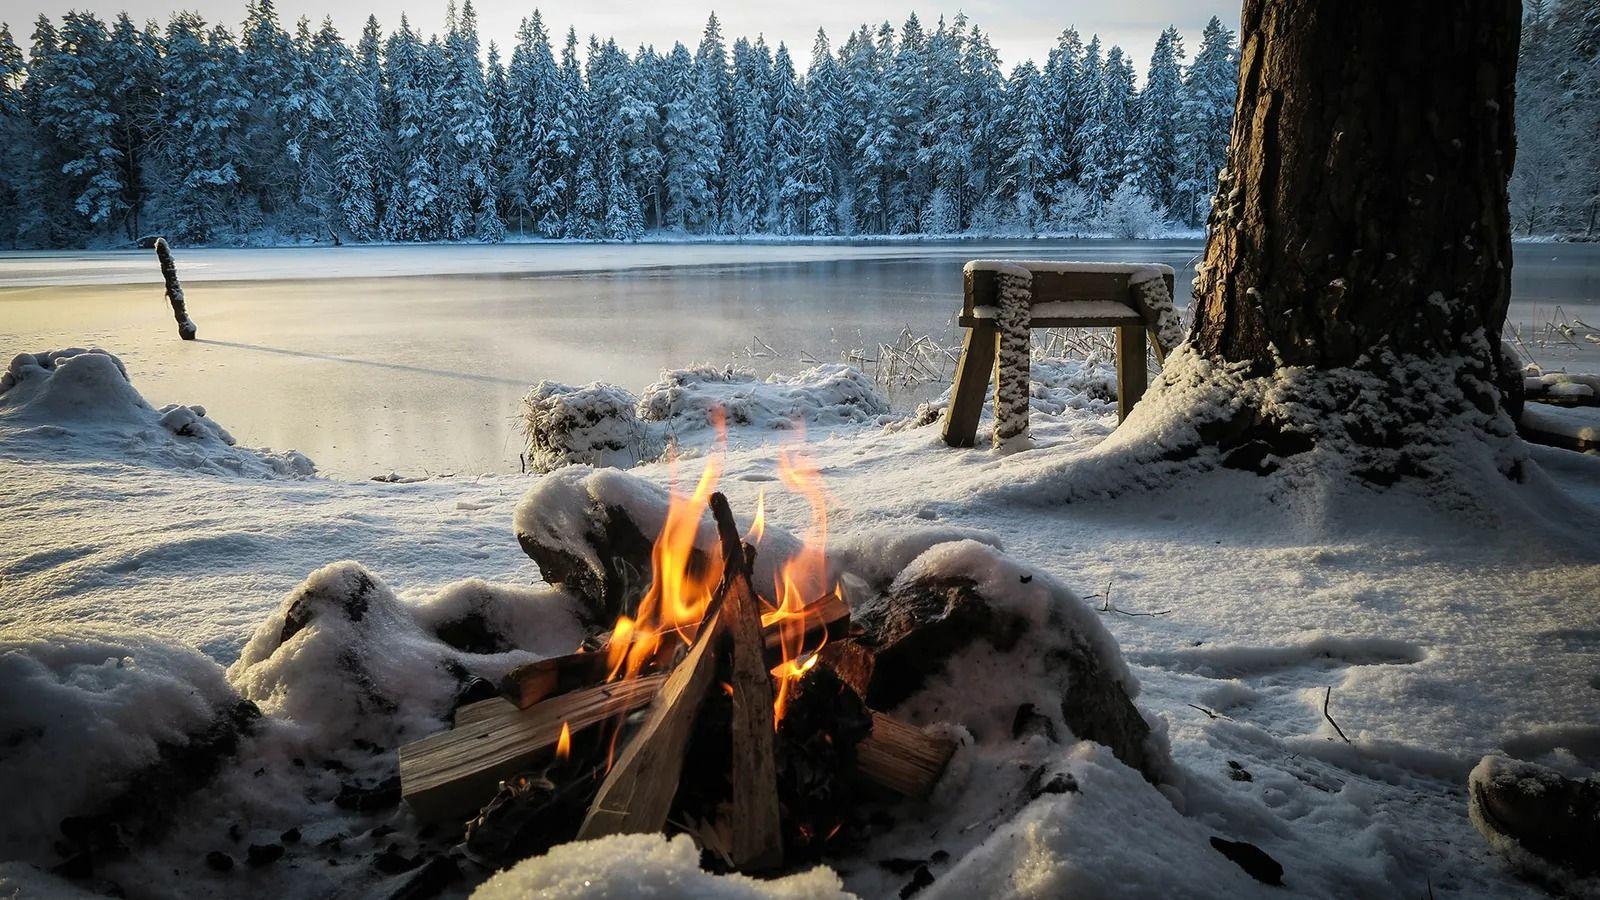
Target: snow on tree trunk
[[1011, 384], [1357, 271]]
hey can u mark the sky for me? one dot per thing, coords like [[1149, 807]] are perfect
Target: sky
[[1020, 29]]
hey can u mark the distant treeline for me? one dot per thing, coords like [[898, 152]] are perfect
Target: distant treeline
[[110, 132], [1556, 188]]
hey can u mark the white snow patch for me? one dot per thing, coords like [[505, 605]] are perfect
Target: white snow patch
[[85, 395], [645, 865], [81, 710]]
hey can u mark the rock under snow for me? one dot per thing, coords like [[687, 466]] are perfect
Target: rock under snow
[[1542, 822], [964, 621], [593, 425], [90, 717], [591, 532], [343, 658], [83, 400]]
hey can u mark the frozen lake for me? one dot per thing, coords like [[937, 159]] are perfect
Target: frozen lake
[[372, 359]]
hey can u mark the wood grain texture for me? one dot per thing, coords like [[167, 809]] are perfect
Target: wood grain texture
[[456, 771]]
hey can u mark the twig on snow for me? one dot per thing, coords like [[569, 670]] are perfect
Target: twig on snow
[[1325, 698]]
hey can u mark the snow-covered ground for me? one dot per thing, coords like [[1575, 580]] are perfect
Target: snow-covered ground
[[1239, 601]]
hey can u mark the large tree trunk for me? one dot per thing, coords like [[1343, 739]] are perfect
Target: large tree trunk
[[1364, 203]]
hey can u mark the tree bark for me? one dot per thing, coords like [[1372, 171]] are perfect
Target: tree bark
[[1363, 208]]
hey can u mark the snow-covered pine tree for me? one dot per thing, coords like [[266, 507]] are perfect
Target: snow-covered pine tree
[[1067, 106], [409, 210], [360, 139], [947, 144], [134, 87], [1031, 160], [1210, 87], [1153, 154], [1109, 130], [267, 172], [907, 97], [748, 181], [497, 107], [564, 143], [786, 140], [691, 144], [870, 135], [467, 178], [983, 95], [15, 134], [1084, 149], [309, 120], [75, 107], [817, 185], [203, 104], [639, 138], [715, 85]]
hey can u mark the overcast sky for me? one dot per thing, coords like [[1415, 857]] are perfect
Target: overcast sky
[[1019, 28]]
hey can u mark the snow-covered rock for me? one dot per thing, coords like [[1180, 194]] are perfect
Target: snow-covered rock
[[594, 425], [344, 659], [82, 401], [85, 711], [477, 616]]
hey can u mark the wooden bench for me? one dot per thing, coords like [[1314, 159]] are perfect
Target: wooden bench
[[1059, 295]]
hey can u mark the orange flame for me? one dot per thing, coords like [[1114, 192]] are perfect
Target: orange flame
[[802, 578], [564, 743], [758, 525]]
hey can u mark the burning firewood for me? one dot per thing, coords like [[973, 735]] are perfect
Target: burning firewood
[[455, 771], [827, 619], [754, 839], [638, 792]]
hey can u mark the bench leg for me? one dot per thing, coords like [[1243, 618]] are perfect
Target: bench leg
[[973, 371], [1132, 377]]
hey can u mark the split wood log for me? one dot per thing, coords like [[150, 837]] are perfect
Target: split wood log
[[534, 682], [455, 771], [894, 756], [901, 758], [755, 841], [637, 793], [169, 274]]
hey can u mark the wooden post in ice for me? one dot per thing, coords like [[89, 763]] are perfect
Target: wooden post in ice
[[169, 274]]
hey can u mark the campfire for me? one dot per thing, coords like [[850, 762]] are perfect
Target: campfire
[[715, 705]]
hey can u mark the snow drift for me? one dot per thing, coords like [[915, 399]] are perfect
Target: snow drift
[[604, 425], [82, 713], [82, 401]]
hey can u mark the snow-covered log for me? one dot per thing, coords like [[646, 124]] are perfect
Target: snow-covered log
[[1011, 391]]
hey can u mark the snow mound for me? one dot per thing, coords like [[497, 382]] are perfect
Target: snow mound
[[687, 400], [83, 710], [1521, 785], [343, 658], [87, 395], [476, 616], [604, 425], [878, 555], [1109, 835], [644, 865], [595, 425]]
